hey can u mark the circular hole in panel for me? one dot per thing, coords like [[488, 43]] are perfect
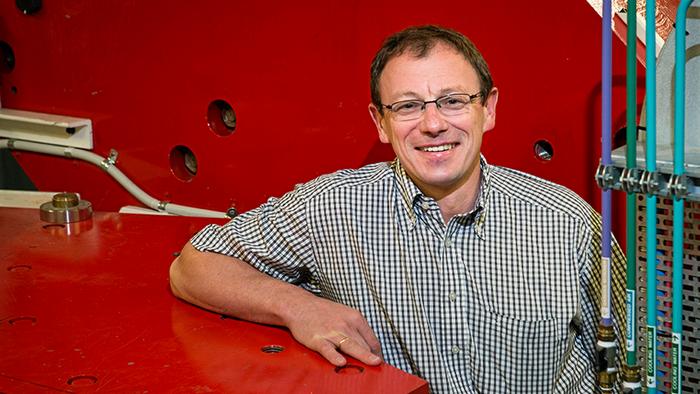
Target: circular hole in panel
[[53, 226], [7, 57], [82, 380], [22, 321], [28, 7], [543, 150], [221, 118], [183, 163], [272, 349], [19, 268], [349, 369], [13, 89]]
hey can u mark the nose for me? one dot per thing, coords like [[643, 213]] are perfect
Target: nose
[[432, 121]]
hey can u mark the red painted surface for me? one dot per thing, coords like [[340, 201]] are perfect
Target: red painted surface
[[87, 308], [297, 76]]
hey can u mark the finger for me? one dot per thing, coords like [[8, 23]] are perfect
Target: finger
[[361, 341], [329, 351], [370, 339], [361, 352]]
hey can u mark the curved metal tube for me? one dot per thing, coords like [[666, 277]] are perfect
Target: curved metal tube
[[114, 172]]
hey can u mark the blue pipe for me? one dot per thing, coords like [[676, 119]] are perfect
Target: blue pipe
[[651, 198], [678, 203], [606, 317]]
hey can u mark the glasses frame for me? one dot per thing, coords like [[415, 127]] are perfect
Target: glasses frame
[[472, 97]]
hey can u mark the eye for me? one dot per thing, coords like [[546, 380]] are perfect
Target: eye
[[452, 102], [406, 106]]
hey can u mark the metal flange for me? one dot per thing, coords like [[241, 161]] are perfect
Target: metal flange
[[65, 208], [680, 185], [607, 177], [654, 184], [631, 180]]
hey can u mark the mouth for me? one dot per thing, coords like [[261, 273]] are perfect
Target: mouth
[[437, 148]]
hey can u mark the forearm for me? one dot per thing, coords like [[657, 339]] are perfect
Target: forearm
[[230, 286]]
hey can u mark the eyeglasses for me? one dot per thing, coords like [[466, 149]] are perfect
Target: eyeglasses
[[448, 105]]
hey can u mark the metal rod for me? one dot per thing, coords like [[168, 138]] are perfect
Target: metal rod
[[651, 198]]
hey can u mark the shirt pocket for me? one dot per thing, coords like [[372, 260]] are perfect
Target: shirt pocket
[[513, 355]]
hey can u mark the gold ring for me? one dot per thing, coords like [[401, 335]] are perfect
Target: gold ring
[[340, 343]]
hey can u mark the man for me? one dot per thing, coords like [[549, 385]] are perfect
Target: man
[[478, 278]]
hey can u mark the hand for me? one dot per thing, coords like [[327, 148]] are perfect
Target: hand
[[334, 329]]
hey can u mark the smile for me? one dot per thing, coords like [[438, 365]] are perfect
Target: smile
[[439, 148]]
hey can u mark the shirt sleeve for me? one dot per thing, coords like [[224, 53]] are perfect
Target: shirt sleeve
[[590, 291], [273, 238]]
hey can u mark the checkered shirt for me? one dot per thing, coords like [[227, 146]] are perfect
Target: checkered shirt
[[502, 299]]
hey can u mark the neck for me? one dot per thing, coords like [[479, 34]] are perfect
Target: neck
[[459, 198]]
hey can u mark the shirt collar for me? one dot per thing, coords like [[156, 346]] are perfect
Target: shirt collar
[[410, 195]]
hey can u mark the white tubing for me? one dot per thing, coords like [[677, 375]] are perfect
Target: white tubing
[[113, 171]]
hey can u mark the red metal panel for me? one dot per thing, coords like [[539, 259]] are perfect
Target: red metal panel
[[296, 74], [86, 307]]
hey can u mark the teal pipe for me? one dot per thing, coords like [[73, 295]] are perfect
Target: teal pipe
[[631, 197], [651, 198], [678, 202]]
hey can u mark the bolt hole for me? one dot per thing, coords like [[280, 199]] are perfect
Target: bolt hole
[[52, 226], [19, 268], [13, 89], [82, 380], [543, 150], [7, 61], [70, 130], [272, 349], [28, 7], [183, 163], [349, 369], [22, 320], [221, 118]]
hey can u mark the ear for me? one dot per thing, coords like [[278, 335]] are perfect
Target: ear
[[490, 109], [377, 119]]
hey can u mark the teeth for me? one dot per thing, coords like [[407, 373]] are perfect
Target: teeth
[[440, 148]]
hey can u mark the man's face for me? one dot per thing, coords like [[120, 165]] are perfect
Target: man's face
[[440, 153]]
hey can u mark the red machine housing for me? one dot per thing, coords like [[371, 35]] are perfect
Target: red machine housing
[[153, 76], [297, 78]]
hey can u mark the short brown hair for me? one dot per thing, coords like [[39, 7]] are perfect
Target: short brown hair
[[419, 40]]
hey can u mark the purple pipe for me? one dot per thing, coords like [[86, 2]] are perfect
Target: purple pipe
[[606, 158]]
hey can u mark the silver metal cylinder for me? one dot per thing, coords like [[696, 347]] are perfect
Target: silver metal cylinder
[[65, 208]]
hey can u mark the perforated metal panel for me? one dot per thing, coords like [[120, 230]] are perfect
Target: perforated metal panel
[[691, 292]]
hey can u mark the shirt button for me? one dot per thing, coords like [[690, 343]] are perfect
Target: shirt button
[[456, 350], [448, 242], [425, 205], [453, 296]]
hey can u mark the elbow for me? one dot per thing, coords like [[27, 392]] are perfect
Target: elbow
[[176, 280]]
